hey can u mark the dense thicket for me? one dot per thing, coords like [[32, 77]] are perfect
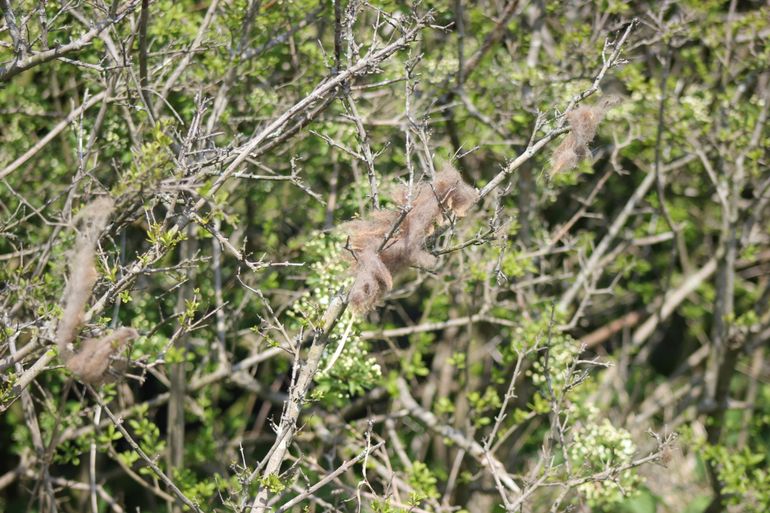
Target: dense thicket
[[388, 256]]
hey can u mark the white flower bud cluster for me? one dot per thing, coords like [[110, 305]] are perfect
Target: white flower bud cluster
[[561, 355], [346, 369], [597, 447]]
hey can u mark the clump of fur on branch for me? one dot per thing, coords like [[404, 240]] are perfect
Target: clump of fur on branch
[[583, 122], [93, 362], [376, 259], [83, 274]]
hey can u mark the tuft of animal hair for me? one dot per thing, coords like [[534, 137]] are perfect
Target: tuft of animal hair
[[375, 264], [583, 123], [93, 360], [93, 218], [81, 281], [94, 363]]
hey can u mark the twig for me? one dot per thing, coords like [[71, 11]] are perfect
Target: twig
[[30, 61], [329, 477], [118, 423]]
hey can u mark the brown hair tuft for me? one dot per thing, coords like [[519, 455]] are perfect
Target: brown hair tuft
[[93, 361], [583, 123], [373, 267], [93, 218]]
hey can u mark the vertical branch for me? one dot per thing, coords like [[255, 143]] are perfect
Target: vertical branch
[[460, 27], [144, 16], [92, 463], [679, 247], [43, 24], [526, 198], [216, 252], [177, 378], [757, 363], [366, 150], [408, 92], [288, 425], [344, 28], [337, 35], [726, 340], [19, 45]]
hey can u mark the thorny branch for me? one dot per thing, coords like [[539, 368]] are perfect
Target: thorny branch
[[452, 307]]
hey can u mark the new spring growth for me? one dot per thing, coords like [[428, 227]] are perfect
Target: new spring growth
[[376, 259], [92, 362], [583, 122]]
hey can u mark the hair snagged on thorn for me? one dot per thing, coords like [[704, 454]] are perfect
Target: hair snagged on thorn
[[373, 267], [583, 123], [92, 363]]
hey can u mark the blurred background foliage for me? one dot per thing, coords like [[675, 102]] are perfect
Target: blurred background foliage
[[693, 89]]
